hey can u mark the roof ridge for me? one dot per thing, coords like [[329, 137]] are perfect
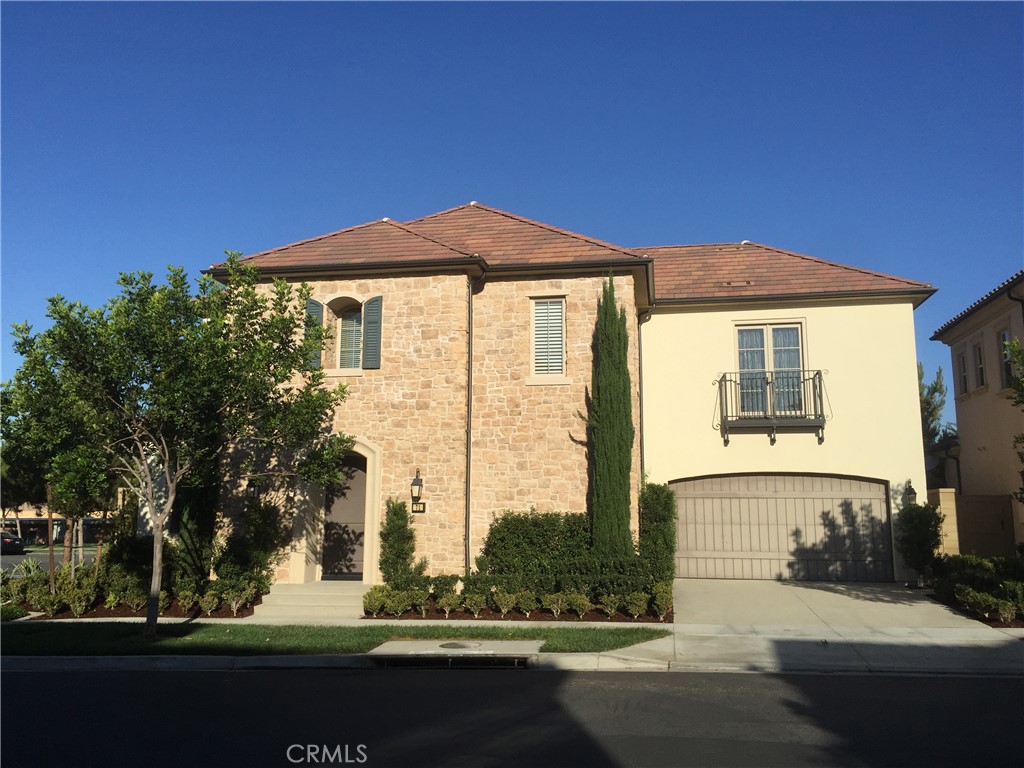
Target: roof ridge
[[315, 239], [538, 224]]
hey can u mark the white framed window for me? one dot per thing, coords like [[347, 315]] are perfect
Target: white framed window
[[355, 343], [962, 386], [770, 365], [978, 361], [350, 337], [1005, 365], [548, 337]]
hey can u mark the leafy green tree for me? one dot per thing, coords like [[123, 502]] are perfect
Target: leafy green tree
[[1016, 354], [80, 482], [933, 402], [188, 387], [610, 430]]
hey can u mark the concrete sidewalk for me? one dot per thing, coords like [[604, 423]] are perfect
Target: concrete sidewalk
[[722, 626]]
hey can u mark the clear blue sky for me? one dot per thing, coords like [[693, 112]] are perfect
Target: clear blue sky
[[887, 136]]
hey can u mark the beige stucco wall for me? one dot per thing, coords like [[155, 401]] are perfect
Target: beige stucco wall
[[868, 353], [986, 418], [525, 430]]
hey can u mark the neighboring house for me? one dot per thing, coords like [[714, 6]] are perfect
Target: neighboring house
[[780, 401], [777, 389], [987, 470]]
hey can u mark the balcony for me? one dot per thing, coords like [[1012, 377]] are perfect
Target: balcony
[[771, 400]]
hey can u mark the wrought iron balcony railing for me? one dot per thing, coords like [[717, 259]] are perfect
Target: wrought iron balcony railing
[[771, 399]]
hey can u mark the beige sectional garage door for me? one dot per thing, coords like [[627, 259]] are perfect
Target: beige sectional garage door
[[807, 527]]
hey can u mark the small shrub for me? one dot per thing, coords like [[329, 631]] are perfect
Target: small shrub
[[578, 602], [26, 568], [239, 592], [111, 601], [398, 563], [50, 604], [398, 602], [608, 604], [374, 599], [188, 598], [635, 604], [526, 601], [163, 601], [474, 602], [420, 599], [10, 612], [662, 599], [448, 602], [14, 590], [210, 601], [136, 599], [1005, 610], [554, 602], [503, 601]]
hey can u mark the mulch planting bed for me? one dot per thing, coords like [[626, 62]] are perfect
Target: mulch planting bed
[[539, 615], [173, 612], [955, 606]]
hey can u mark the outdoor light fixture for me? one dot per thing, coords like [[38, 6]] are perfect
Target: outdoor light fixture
[[416, 489], [254, 489], [909, 494]]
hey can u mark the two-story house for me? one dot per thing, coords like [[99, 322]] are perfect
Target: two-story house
[[986, 470], [776, 392]]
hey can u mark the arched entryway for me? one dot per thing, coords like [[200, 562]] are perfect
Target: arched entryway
[[344, 535]]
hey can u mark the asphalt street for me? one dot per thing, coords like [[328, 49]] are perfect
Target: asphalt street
[[519, 718]]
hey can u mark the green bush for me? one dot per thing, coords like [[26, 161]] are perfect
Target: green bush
[[526, 601], [420, 599], [374, 599], [239, 590], [658, 530], [40, 598], [554, 602], [76, 590], [448, 602], [187, 590], [662, 599], [474, 602], [9, 612], [578, 602], [163, 601], [533, 542], [503, 601], [609, 604], [398, 563], [210, 601], [918, 534], [253, 549], [444, 583], [635, 604], [398, 601]]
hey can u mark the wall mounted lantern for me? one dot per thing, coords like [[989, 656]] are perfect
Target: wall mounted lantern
[[909, 494], [253, 489], [416, 490]]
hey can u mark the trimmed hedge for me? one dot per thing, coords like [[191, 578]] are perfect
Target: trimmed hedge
[[658, 530]]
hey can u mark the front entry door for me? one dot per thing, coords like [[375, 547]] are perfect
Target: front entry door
[[345, 523]]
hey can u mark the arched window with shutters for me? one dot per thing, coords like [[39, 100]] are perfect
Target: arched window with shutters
[[356, 336]]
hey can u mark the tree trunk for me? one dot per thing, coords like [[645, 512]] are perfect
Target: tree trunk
[[69, 538], [49, 539], [153, 604]]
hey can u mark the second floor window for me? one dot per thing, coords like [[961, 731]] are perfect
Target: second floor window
[[350, 337], [773, 353], [1006, 365], [979, 365], [549, 337]]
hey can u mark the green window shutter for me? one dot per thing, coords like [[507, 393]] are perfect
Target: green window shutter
[[371, 331], [314, 317]]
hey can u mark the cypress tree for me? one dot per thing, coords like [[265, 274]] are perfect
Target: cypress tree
[[610, 430]]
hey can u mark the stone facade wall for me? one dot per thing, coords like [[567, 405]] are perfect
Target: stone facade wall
[[413, 409], [527, 436]]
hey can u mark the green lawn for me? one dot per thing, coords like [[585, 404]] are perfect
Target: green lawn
[[124, 639]]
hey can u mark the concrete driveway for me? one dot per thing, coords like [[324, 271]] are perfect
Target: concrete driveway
[[745, 605]]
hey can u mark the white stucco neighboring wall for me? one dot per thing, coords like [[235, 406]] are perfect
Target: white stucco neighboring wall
[[866, 349]]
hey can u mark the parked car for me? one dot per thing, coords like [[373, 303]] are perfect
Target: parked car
[[11, 544]]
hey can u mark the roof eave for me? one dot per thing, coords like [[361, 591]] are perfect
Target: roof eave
[[475, 265], [917, 295]]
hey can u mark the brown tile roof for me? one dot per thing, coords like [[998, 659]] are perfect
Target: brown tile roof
[[1005, 286], [729, 271], [379, 242], [504, 239]]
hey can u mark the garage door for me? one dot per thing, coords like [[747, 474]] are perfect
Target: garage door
[[806, 527]]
